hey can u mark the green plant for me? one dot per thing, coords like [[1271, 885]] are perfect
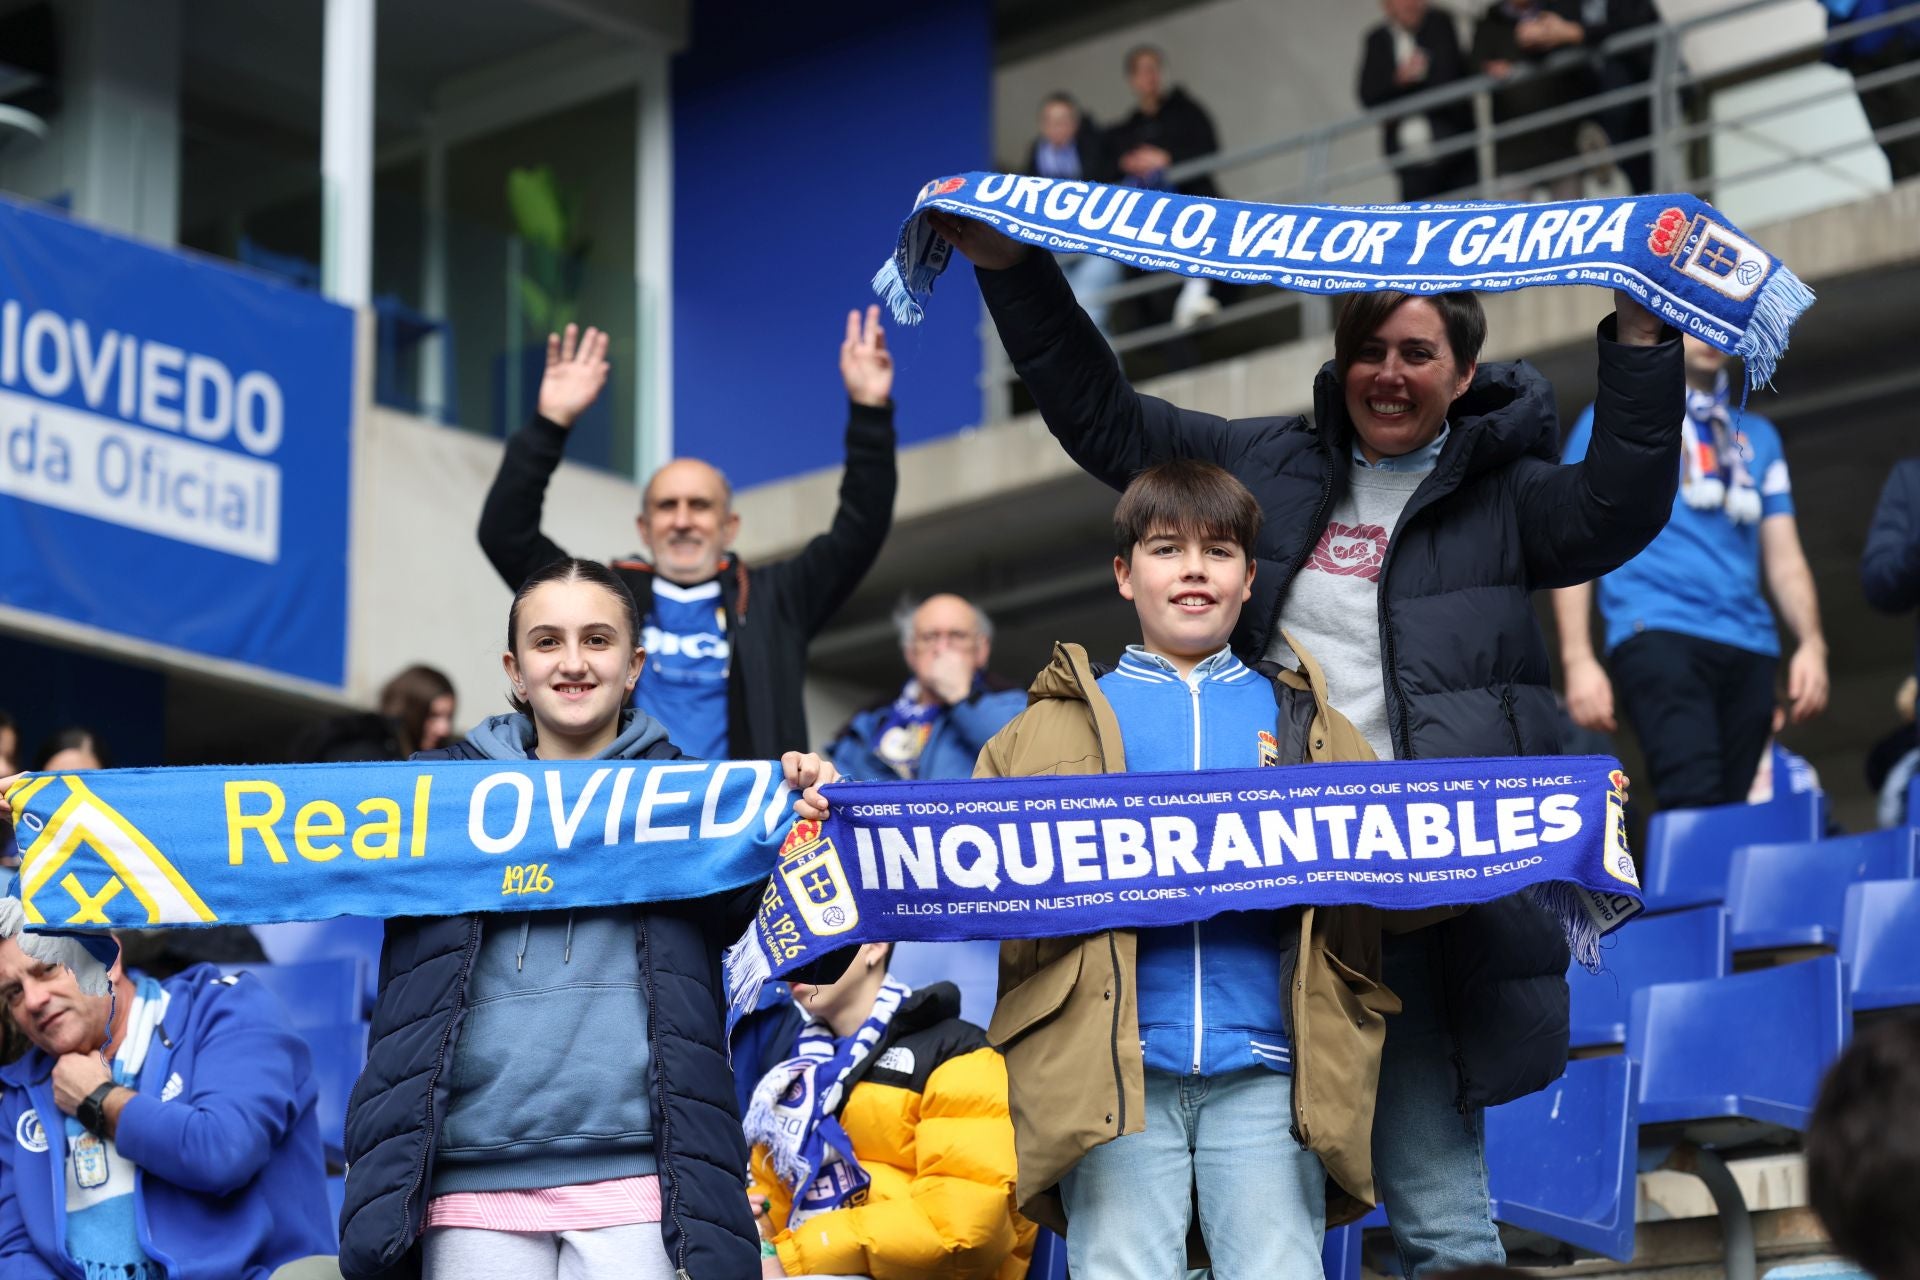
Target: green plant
[[554, 252]]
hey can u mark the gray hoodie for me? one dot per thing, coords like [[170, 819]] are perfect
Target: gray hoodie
[[550, 1071]]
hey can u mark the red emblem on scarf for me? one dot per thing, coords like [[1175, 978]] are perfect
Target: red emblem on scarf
[[1351, 550], [1666, 232]]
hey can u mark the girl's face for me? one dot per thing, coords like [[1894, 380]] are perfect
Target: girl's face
[[439, 725], [574, 665]]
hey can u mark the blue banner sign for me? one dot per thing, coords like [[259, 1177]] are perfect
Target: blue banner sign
[[174, 448]]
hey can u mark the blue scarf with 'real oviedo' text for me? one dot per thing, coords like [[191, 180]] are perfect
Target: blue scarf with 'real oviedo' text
[[1675, 254], [893, 862], [1063, 856]]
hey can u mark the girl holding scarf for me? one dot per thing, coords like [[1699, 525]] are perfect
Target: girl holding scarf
[[547, 1093]]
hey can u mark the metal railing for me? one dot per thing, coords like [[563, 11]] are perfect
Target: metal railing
[[1673, 131]]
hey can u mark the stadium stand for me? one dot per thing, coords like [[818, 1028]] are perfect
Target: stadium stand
[[1794, 895], [1689, 851]]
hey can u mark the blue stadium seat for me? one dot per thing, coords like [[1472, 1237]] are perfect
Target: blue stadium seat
[[1880, 943], [1340, 1254], [339, 1055], [1561, 1162], [1749, 1047], [1793, 895], [1913, 803], [305, 940], [1690, 850], [318, 993], [1678, 947], [1049, 1261]]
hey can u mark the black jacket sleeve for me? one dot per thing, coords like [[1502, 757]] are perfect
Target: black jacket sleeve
[[510, 518], [1377, 84], [811, 587], [1106, 426], [1890, 566], [1581, 521]]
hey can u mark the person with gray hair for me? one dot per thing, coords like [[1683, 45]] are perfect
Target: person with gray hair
[[946, 711]]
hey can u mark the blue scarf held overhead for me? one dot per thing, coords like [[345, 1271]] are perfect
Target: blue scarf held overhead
[[1676, 254], [1060, 856], [136, 848], [795, 1111]]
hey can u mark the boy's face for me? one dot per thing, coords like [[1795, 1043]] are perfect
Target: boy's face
[[1187, 590]]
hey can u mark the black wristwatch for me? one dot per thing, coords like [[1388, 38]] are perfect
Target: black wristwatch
[[92, 1111]]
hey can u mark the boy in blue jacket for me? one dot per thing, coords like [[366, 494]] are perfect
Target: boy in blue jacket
[[159, 1132], [1218, 1063]]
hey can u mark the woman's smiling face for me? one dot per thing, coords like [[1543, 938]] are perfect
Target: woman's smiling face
[[574, 663], [1402, 381]]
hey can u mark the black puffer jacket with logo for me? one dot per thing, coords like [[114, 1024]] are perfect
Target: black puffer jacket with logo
[[1462, 656]]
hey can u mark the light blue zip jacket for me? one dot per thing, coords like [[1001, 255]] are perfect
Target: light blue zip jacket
[[1210, 991]]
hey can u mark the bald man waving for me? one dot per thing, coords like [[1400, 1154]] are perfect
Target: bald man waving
[[726, 645]]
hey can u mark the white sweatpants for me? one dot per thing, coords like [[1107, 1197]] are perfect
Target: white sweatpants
[[634, 1252]]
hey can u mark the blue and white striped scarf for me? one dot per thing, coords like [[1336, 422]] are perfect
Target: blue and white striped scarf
[[795, 1106], [1677, 255]]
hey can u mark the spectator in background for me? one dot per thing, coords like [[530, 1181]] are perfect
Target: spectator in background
[[9, 752], [1167, 128], [920, 1098], [416, 711], [1691, 641], [1782, 772], [1889, 104], [163, 1132], [948, 708], [1071, 147], [1893, 762], [1890, 565], [421, 703], [1601, 20], [1515, 35], [722, 688], [72, 749], [1863, 1149], [1414, 50]]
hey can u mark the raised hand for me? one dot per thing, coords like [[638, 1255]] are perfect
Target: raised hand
[[977, 242], [866, 366], [1634, 325], [576, 370]]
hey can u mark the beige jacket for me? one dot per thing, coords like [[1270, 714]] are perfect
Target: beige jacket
[[1067, 1018]]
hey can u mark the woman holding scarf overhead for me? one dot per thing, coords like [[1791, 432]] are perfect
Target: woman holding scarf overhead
[[1407, 525], [547, 1093]]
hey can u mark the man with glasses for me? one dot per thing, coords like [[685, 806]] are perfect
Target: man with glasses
[[948, 708]]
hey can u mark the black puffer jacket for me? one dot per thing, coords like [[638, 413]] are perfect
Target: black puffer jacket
[[391, 1119], [1463, 660]]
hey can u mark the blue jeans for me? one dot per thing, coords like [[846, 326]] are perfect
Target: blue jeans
[[1263, 1200], [1429, 1161]]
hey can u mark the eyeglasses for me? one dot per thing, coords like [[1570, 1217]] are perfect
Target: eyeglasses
[[934, 639]]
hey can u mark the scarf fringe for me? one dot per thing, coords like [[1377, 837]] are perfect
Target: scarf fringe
[[1780, 302], [897, 294], [1563, 902], [747, 970]]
